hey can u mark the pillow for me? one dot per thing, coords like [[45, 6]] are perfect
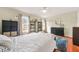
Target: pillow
[[5, 41], [61, 43], [3, 37]]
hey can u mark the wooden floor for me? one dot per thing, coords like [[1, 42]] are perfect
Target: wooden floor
[[70, 46]]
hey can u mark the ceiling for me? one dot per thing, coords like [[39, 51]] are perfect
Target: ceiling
[[51, 11]]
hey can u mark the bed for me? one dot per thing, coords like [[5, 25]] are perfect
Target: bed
[[33, 42]]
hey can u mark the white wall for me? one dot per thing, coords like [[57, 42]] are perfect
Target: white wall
[[77, 18], [69, 20]]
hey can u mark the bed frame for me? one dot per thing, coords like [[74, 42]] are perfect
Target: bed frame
[[9, 28]]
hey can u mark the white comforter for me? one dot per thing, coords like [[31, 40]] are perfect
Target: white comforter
[[5, 41], [34, 42]]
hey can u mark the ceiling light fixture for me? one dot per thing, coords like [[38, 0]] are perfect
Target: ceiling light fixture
[[44, 10]]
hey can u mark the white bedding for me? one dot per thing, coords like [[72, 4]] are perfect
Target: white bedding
[[5, 41], [34, 42]]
